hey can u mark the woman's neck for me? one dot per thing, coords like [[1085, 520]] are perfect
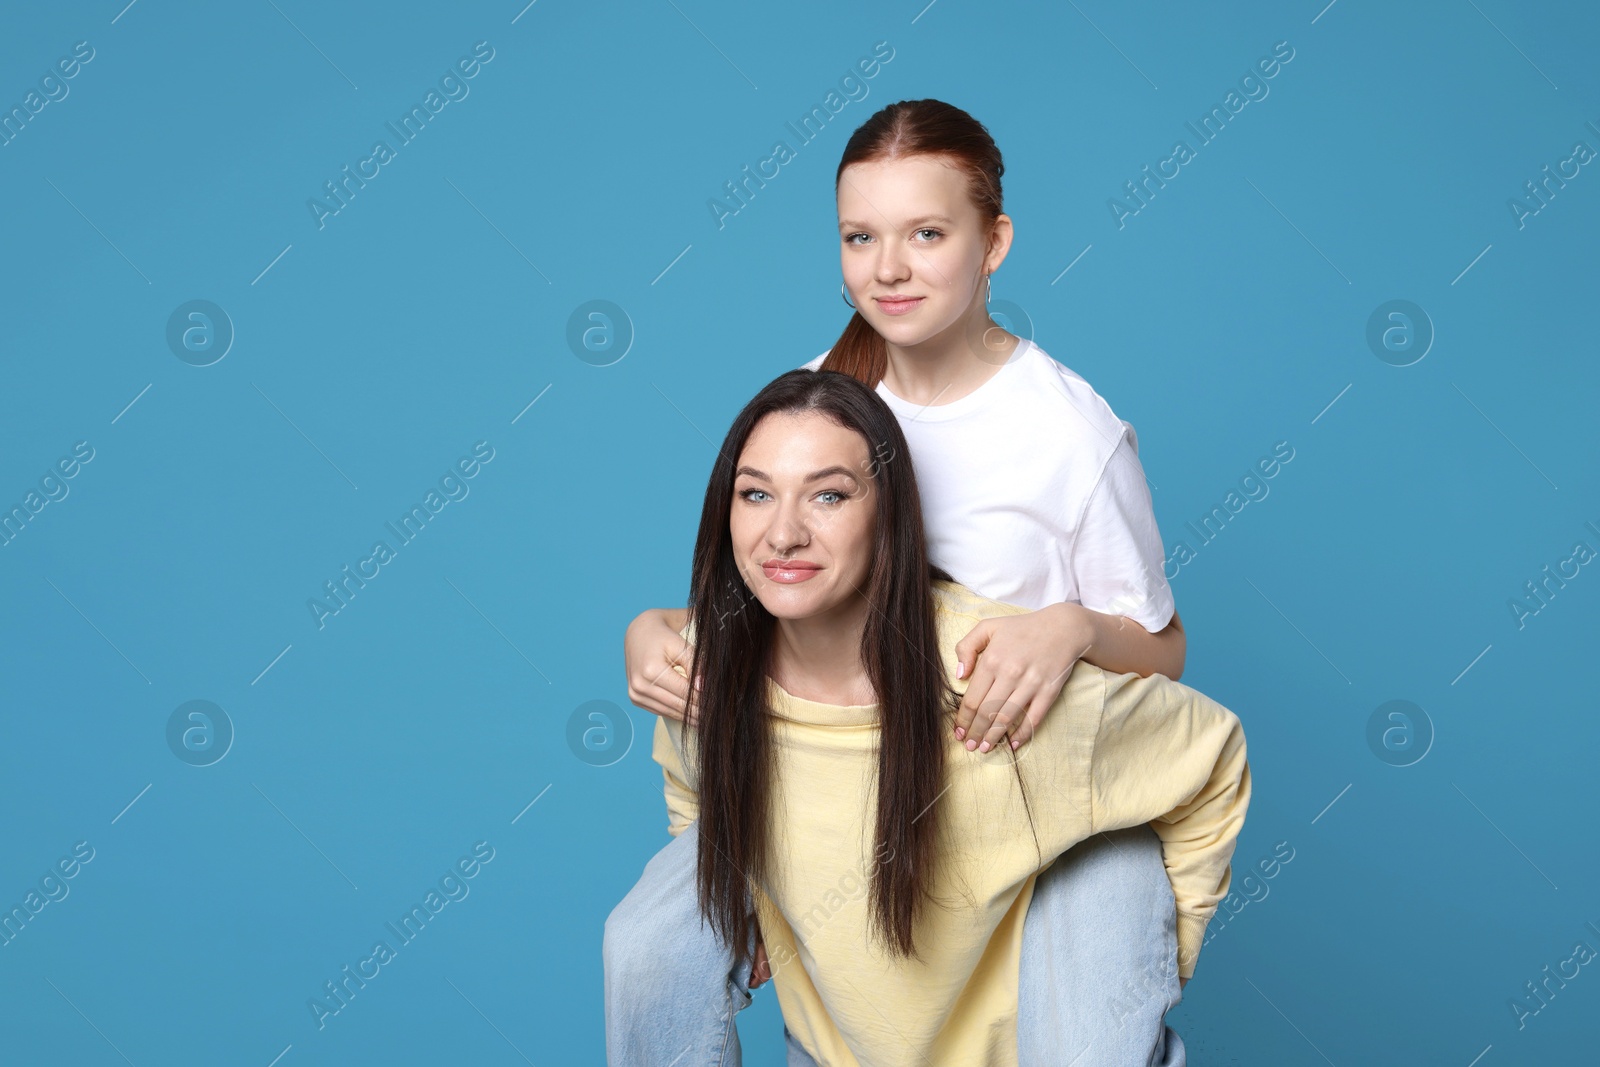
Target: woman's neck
[[950, 364], [819, 658]]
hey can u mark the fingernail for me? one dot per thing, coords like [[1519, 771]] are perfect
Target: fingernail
[[984, 747], [1014, 745], [961, 669], [972, 743], [961, 733]]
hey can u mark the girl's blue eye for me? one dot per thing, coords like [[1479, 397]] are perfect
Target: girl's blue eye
[[926, 230], [851, 240], [833, 493], [744, 494]]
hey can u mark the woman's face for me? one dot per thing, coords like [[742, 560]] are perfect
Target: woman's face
[[908, 229], [804, 508]]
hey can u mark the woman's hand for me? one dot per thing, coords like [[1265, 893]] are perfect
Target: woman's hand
[[761, 971], [651, 648], [1017, 666]]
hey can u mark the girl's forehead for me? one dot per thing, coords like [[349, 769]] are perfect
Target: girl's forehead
[[930, 176]]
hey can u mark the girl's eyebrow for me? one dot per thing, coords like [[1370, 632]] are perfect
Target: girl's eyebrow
[[814, 476], [910, 224]]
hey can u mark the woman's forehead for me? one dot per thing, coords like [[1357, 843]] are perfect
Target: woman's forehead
[[801, 442]]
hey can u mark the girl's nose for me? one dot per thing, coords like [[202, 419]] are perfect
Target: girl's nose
[[893, 263]]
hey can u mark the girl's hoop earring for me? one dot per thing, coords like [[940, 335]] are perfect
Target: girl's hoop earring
[[843, 295]]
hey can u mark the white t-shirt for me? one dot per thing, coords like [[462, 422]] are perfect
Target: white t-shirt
[[1032, 492]]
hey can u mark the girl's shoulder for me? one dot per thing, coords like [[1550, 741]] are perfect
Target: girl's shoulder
[[1060, 387]]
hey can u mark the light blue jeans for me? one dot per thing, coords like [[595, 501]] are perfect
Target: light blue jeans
[[1098, 972]]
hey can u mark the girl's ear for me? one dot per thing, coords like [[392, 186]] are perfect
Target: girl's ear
[[1000, 235]]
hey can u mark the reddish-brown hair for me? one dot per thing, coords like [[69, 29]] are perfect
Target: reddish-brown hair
[[914, 128]]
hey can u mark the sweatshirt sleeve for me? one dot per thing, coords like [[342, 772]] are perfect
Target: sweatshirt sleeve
[[666, 748], [1174, 758], [683, 803]]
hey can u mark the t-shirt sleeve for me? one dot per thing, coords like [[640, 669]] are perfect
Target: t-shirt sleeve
[[683, 802], [814, 364], [1117, 557], [1174, 758]]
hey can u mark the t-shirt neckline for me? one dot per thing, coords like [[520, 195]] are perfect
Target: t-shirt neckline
[[980, 397], [788, 706]]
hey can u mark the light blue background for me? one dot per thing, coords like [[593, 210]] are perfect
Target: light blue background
[[371, 753]]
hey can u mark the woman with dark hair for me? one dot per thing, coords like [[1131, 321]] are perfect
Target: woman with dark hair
[[1032, 494], [829, 791]]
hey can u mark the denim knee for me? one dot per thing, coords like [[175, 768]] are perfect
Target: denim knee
[[626, 946], [656, 930], [1124, 866]]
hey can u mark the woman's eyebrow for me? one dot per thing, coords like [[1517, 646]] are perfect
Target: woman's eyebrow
[[814, 476]]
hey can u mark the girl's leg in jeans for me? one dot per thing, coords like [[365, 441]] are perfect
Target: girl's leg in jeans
[[1100, 958], [671, 985]]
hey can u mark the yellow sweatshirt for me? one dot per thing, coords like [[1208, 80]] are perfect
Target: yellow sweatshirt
[[1115, 750]]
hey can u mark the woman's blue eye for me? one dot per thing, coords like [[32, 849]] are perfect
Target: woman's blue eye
[[934, 232], [835, 495], [851, 240]]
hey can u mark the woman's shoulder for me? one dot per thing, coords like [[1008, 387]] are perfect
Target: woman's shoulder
[[951, 599]]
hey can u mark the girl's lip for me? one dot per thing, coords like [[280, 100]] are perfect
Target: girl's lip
[[898, 306]]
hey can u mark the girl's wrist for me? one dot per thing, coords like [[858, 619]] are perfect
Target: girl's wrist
[[1080, 627]]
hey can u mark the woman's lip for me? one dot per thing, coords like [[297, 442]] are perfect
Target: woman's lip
[[898, 307], [789, 573]]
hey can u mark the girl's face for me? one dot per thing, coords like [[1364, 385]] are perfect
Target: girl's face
[[804, 508], [913, 248]]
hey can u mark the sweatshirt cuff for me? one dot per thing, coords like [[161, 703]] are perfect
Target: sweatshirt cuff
[[1191, 934]]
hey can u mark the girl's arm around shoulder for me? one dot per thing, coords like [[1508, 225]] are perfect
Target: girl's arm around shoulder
[[1119, 644], [655, 642]]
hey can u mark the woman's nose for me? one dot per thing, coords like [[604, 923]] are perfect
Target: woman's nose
[[789, 529]]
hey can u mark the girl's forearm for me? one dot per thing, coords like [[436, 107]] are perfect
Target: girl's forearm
[[1122, 646]]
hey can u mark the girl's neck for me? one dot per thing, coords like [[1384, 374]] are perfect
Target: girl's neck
[[952, 363], [819, 658]]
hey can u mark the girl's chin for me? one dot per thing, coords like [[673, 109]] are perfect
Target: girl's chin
[[902, 331]]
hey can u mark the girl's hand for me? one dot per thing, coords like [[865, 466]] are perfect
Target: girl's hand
[[651, 649], [1017, 666]]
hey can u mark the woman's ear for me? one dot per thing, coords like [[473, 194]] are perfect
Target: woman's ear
[[999, 244]]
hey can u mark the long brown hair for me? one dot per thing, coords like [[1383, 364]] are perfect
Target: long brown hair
[[912, 128], [733, 638]]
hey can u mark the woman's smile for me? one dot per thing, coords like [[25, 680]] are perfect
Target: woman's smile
[[790, 571]]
